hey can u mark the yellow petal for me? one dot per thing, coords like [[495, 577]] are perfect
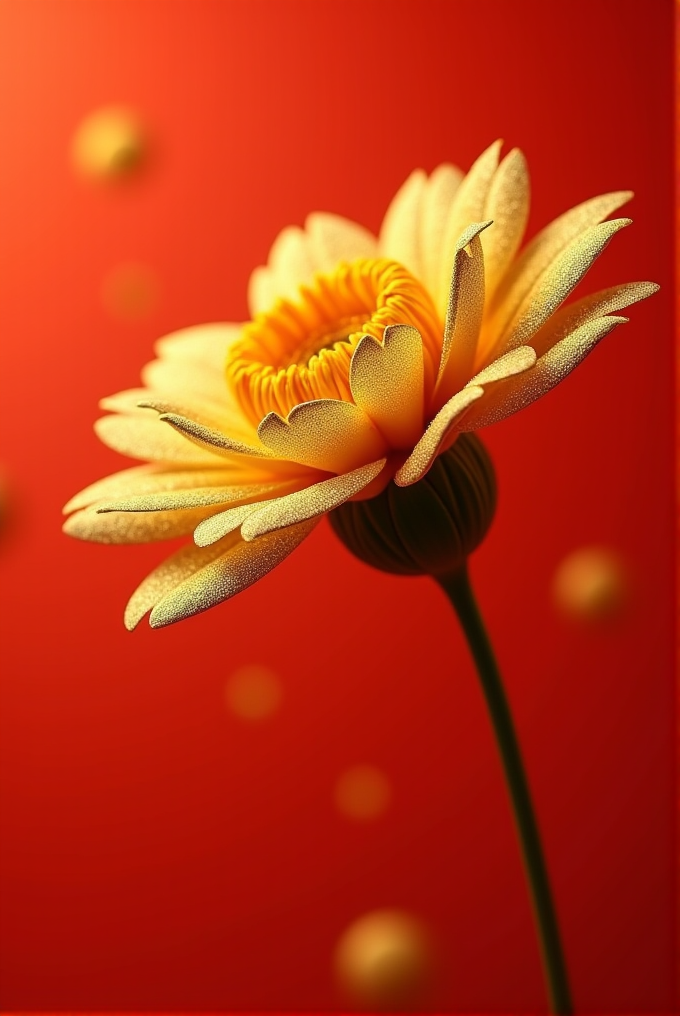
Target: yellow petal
[[141, 527], [325, 434], [518, 392], [238, 568], [169, 574], [463, 314], [202, 344], [290, 261], [440, 191], [334, 239], [386, 379], [221, 524], [197, 497], [193, 385], [447, 420], [143, 437], [261, 290], [578, 313], [542, 251], [507, 205], [556, 283], [309, 503], [468, 206], [125, 402], [211, 439], [147, 479], [400, 230], [515, 362]]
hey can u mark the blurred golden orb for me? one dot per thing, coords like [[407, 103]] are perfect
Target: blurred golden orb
[[253, 693], [592, 584], [362, 793], [384, 960], [130, 291], [109, 144]]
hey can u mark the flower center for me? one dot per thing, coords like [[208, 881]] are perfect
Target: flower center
[[301, 349]]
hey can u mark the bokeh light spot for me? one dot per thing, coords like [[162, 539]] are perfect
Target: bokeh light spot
[[253, 693], [130, 291], [362, 793], [384, 960], [109, 144], [592, 584]]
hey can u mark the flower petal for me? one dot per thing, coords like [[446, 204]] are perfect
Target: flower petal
[[238, 568], [324, 434], [468, 206], [309, 503], [556, 283], [147, 479], [261, 290], [400, 231], [518, 392], [545, 247], [211, 439], [167, 576], [507, 205], [441, 428], [202, 344], [578, 313], [386, 379], [290, 261], [334, 239], [137, 527], [143, 437], [440, 191], [198, 497], [218, 526], [463, 314]]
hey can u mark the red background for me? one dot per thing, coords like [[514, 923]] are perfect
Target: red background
[[157, 854]]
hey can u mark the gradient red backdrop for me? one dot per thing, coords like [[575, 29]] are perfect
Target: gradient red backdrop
[[157, 854]]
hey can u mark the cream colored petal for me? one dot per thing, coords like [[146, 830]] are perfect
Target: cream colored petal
[[518, 392], [512, 363], [125, 402], [147, 479], [243, 564], [507, 204], [568, 318], [169, 574], [556, 283], [445, 422], [135, 527], [221, 524], [191, 383], [201, 344], [325, 434], [542, 251], [309, 503], [463, 314], [261, 290], [146, 437], [386, 379], [290, 261], [440, 191], [198, 497], [400, 230], [209, 438], [468, 206], [334, 239]]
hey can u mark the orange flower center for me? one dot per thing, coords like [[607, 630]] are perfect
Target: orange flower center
[[301, 349]]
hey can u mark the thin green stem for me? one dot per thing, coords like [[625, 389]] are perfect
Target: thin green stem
[[458, 589]]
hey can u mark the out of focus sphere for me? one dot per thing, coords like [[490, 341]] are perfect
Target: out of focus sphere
[[384, 960], [592, 585], [253, 693], [109, 144], [130, 291], [362, 793]]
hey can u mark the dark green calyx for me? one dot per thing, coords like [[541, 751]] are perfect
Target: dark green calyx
[[432, 526]]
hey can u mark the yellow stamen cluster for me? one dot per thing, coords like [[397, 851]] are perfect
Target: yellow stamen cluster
[[301, 349]]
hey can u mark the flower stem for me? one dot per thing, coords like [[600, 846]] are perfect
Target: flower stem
[[458, 589]]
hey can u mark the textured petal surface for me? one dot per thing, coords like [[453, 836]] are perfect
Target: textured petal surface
[[147, 479], [386, 379], [311, 502], [218, 526], [168, 576], [334, 239], [400, 230], [515, 362], [463, 314], [147, 437], [518, 392], [326, 434], [441, 428], [238, 568], [211, 439], [507, 205], [198, 497], [141, 527], [440, 191]]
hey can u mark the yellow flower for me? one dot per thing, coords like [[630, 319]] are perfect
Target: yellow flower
[[365, 358]]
